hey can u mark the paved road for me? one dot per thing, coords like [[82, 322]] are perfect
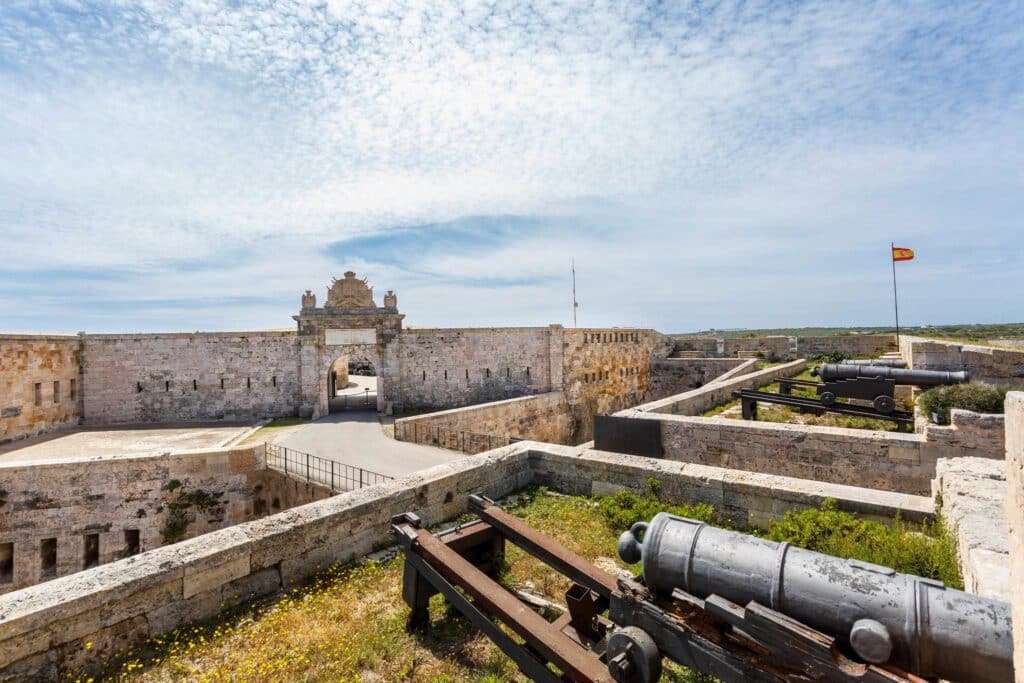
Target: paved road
[[357, 438]]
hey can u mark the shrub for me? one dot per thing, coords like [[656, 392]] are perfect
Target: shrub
[[976, 396], [929, 551], [625, 508], [834, 357]]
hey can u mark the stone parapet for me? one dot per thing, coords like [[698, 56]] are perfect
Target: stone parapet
[[1014, 410], [978, 434]]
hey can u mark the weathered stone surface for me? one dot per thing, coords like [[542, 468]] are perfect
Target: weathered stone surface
[[973, 495], [1014, 409], [53, 362], [111, 496], [984, 363]]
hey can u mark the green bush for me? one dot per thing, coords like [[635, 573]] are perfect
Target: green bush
[[834, 357], [623, 509], [929, 551], [976, 396]]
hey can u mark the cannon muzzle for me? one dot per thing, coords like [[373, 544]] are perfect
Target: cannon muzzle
[[911, 622], [922, 378]]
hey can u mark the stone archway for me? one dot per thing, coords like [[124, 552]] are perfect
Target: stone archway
[[352, 384]]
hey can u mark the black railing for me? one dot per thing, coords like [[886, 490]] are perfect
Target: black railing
[[336, 476], [459, 439]]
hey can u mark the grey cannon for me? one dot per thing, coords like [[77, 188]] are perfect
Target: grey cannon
[[921, 378], [886, 617]]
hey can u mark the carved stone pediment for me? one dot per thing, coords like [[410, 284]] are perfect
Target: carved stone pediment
[[350, 292]]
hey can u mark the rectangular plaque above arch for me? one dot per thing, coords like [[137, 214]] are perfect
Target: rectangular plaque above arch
[[364, 336]]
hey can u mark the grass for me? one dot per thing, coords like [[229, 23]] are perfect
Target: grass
[[348, 624], [272, 429]]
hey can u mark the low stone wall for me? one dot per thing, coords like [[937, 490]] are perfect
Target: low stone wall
[[979, 434], [43, 629], [475, 429], [985, 363], [705, 346], [1014, 410], [672, 376], [852, 345], [973, 496], [700, 400], [60, 517], [881, 460], [770, 348]]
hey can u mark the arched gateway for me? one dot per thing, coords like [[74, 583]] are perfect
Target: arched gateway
[[349, 325]]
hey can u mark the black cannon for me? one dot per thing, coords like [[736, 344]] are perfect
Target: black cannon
[[920, 378], [876, 383], [885, 362]]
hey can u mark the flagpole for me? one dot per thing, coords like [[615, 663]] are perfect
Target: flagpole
[[574, 304], [895, 299]]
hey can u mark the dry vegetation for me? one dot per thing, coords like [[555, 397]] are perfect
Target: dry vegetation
[[349, 623]]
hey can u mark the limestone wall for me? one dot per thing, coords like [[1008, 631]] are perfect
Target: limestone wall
[[179, 377], [43, 629], [973, 496], [1015, 514], [444, 368], [606, 370], [853, 345], [670, 376], [40, 384], [478, 428], [856, 457], [979, 434], [769, 348], [697, 401], [985, 363], [705, 346], [130, 504]]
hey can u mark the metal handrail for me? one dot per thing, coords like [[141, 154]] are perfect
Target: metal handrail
[[337, 476]]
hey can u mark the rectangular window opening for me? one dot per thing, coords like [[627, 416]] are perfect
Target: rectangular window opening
[[487, 372], [38, 393], [74, 390], [131, 542], [138, 387], [221, 382], [167, 385], [508, 373], [6, 563], [56, 391], [424, 375], [446, 375], [527, 370], [91, 551], [248, 382], [467, 374], [48, 556], [273, 380], [195, 385]]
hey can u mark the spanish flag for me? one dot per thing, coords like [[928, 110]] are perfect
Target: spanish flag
[[902, 254]]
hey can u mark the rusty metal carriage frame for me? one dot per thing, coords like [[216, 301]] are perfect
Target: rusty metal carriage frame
[[729, 641]]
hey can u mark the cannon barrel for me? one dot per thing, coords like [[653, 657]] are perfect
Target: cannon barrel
[[886, 617], [878, 362], [921, 378]]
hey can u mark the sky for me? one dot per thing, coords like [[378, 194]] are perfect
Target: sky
[[196, 165]]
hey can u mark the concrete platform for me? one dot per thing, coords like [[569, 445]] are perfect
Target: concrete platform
[[135, 439]]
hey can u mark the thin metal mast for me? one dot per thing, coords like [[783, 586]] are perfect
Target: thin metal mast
[[575, 304], [895, 299]]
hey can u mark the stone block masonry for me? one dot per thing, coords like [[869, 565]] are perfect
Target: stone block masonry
[[985, 363], [59, 517], [40, 384], [43, 629], [475, 429], [670, 376], [149, 378], [972, 492], [1014, 410]]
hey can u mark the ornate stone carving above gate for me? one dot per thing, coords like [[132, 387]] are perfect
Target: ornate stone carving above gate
[[350, 292]]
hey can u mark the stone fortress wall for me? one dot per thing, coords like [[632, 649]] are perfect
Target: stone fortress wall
[[58, 517], [776, 348], [40, 384]]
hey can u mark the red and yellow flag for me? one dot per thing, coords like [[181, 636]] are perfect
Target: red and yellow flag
[[902, 254]]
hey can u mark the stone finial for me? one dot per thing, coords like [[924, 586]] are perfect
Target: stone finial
[[390, 300], [309, 299]]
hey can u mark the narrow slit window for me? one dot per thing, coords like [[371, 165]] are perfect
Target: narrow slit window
[[195, 385], [221, 382], [73, 390], [467, 374], [90, 551], [167, 385], [131, 542], [48, 556], [6, 562], [424, 375], [487, 373], [527, 370], [273, 380], [508, 373], [138, 387], [248, 382], [446, 375], [56, 391], [38, 393]]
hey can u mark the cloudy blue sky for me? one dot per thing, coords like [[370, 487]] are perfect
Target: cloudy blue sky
[[182, 165]]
